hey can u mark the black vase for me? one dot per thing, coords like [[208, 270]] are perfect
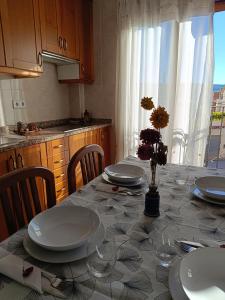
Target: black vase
[[152, 200]]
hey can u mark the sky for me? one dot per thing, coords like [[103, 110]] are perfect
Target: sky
[[219, 47]]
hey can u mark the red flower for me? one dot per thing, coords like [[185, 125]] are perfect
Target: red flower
[[150, 136], [145, 151]]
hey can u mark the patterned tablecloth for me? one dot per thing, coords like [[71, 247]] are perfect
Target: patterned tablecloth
[[137, 273]]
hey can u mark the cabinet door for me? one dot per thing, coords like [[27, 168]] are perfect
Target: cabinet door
[[104, 142], [52, 40], [21, 32], [2, 52], [34, 156], [7, 162], [69, 28], [76, 142], [85, 22], [92, 137]]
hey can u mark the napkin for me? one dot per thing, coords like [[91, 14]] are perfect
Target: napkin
[[39, 280]]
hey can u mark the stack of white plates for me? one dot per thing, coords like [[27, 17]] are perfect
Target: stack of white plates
[[63, 234], [124, 175], [199, 275], [211, 189]]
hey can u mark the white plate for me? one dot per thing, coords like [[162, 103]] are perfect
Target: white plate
[[130, 184], [196, 192], [124, 173], [212, 186], [63, 228], [49, 256], [202, 274], [175, 286]]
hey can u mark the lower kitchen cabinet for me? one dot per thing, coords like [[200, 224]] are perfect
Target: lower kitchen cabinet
[[7, 161]]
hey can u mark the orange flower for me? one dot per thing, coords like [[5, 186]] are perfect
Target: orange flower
[[147, 103], [159, 117]]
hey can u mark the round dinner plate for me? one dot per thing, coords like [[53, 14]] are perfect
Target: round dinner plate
[[196, 192], [202, 274], [49, 256], [126, 184], [199, 275], [124, 173], [63, 228], [212, 186]]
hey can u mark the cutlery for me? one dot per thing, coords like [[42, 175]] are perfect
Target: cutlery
[[190, 243], [187, 248]]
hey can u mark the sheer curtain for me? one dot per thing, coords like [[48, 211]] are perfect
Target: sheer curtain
[[165, 51]]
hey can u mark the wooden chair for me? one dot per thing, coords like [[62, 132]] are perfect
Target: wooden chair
[[91, 159], [19, 196]]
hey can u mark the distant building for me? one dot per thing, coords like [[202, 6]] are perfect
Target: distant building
[[218, 103]]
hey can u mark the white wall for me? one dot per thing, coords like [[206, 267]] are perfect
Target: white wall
[[45, 98]]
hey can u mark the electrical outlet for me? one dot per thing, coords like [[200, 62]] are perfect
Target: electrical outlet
[[19, 104]]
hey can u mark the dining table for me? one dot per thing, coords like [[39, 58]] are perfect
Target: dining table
[[137, 273]]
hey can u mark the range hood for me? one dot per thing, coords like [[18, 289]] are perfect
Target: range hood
[[67, 68]]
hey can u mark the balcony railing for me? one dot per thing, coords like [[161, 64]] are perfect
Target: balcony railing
[[215, 151]]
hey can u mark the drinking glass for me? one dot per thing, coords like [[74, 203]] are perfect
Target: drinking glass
[[102, 261], [166, 250]]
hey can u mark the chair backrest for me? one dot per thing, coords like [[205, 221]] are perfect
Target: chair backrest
[[91, 159], [19, 195]]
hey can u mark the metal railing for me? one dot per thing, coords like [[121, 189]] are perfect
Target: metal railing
[[215, 150]]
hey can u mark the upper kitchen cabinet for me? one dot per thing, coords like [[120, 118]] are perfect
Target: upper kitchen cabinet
[[59, 27], [85, 15], [20, 47]]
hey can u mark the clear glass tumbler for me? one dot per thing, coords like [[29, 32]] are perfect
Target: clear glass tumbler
[[102, 261]]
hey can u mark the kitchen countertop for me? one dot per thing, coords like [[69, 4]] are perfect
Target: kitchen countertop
[[51, 133]]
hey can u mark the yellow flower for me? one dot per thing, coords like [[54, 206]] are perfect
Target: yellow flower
[[147, 103], [159, 118]]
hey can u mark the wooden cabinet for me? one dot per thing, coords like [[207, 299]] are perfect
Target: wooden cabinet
[[59, 27], [2, 52], [21, 37], [7, 162], [86, 41], [58, 158], [104, 142]]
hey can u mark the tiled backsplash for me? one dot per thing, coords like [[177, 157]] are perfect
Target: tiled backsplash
[[44, 98]]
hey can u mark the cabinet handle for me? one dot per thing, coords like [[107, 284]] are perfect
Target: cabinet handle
[[82, 68], [58, 161], [65, 45], [20, 158], [60, 42], [40, 59], [58, 146], [9, 162], [61, 175]]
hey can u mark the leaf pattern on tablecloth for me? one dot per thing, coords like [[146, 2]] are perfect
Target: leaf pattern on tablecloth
[[33, 295], [214, 233], [130, 258], [108, 209], [117, 229], [163, 296], [141, 241], [132, 205], [138, 287], [127, 216]]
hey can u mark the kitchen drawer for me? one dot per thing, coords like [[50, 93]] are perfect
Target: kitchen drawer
[[60, 174], [61, 189], [58, 160], [57, 146]]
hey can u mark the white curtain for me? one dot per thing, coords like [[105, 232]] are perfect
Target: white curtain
[[165, 51]]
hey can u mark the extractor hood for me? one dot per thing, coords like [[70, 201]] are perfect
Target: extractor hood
[[67, 68]]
